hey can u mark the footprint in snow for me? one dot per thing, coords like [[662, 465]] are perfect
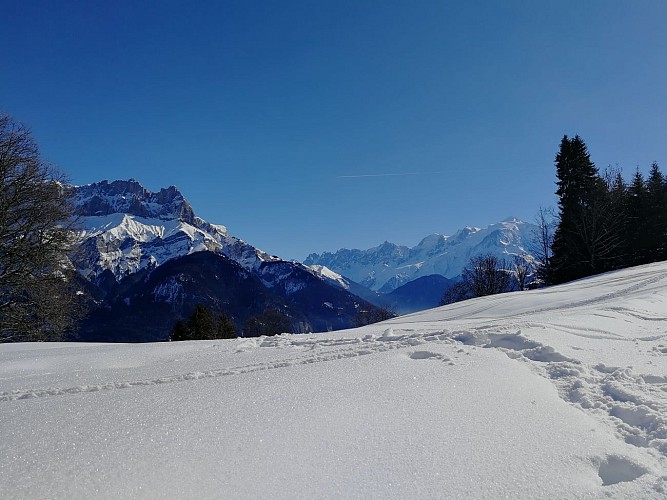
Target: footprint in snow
[[428, 355], [617, 469]]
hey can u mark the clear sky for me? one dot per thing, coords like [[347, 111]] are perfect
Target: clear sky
[[315, 125]]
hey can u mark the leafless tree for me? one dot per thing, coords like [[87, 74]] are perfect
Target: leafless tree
[[521, 269], [36, 295], [456, 293], [487, 275], [374, 315], [483, 275], [543, 238]]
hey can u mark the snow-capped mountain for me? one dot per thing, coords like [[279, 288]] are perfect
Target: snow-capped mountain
[[388, 266], [126, 228], [150, 260]]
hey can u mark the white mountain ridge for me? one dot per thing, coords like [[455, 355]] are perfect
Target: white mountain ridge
[[388, 266], [125, 228]]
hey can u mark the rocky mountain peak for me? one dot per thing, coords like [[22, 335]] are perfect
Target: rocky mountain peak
[[388, 266], [130, 197]]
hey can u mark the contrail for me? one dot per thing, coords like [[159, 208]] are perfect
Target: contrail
[[385, 175]]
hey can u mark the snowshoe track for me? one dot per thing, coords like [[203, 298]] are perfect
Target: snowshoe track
[[334, 349]]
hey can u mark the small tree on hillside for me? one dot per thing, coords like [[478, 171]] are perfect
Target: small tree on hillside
[[180, 332], [543, 238], [487, 275], [374, 315], [202, 324], [225, 329], [456, 293], [483, 275], [521, 269]]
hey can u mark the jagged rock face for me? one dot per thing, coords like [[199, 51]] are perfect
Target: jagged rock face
[[386, 267], [151, 260], [125, 228], [130, 197]]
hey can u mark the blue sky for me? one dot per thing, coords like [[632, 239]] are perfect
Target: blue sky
[[277, 118]]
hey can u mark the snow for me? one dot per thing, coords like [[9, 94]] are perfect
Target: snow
[[125, 243], [555, 393], [329, 275], [388, 266]]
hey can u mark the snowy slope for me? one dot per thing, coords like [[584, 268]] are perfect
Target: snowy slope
[[555, 393], [388, 266]]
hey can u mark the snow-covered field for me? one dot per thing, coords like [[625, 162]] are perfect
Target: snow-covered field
[[558, 393]]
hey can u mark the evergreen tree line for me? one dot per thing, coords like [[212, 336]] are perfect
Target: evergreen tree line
[[603, 223], [203, 324]]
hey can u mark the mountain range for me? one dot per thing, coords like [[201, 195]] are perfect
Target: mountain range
[[147, 260], [387, 267]]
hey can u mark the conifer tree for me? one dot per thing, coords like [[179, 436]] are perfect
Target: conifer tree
[[180, 332], [577, 187], [225, 328], [618, 197], [656, 214], [589, 235], [637, 235], [203, 325]]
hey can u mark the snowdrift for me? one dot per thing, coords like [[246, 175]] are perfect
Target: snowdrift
[[556, 393]]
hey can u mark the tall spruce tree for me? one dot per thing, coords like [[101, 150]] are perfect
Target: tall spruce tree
[[586, 240], [618, 199], [656, 214], [637, 239]]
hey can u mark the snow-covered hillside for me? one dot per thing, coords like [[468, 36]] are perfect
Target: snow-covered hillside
[[388, 266], [555, 393]]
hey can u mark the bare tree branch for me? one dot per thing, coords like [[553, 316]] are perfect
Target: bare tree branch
[[36, 223]]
